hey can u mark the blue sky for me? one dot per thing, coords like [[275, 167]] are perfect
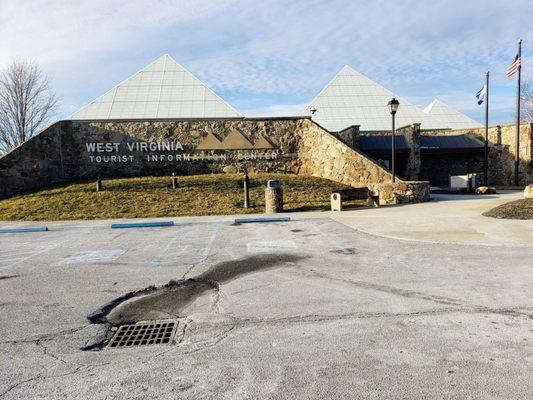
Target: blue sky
[[273, 57]]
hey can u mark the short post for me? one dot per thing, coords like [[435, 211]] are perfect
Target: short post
[[99, 184], [246, 189], [174, 181], [273, 197]]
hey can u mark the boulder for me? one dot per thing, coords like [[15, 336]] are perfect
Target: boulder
[[402, 187], [485, 190], [528, 192], [230, 169]]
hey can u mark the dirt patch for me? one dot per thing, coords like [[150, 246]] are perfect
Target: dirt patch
[[519, 209], [172, 299]]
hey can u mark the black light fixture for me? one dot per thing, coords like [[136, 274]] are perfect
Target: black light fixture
[[312, 110], [393, 107]]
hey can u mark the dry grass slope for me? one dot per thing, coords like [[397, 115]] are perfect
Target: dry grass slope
[[214, 194]]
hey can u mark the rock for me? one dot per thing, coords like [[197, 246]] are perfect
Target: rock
[[486, 190], [401, 186], [230, 169], [528, 192]]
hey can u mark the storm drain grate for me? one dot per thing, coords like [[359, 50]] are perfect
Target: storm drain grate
[[144, 334]]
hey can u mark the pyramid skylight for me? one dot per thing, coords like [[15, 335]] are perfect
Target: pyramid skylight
[[448, 117], [164, 89], [353, 99]]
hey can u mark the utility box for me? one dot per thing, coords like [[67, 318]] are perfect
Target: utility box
[[273, 197], [459, 182], [468, 182]]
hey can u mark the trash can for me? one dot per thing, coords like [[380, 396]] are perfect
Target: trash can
[[273, 197]]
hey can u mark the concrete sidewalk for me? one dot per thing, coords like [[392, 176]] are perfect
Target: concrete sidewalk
[[454, 219], [446, 219]]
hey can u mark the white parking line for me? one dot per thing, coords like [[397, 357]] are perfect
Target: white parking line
[[94, 256], [330, 239], [270, 246], [49, 248], [156, 260], [185, 251], [207, 249]]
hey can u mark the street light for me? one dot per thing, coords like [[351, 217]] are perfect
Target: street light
[[393, 107]]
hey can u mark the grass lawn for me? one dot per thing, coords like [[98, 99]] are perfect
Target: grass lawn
[[518, 209], [213, 194]]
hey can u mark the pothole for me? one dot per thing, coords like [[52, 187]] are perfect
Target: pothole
[[144, 334], [175, 300], [344, 251]]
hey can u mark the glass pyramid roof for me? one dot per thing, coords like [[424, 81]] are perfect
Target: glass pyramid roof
[[164, 89], [448, 117], [353, 99]]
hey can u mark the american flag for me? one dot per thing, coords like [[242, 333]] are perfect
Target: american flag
[[513, 67]]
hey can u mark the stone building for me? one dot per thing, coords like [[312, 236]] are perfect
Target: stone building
[[164, 120]]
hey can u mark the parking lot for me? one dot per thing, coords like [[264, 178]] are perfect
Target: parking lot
[[309, 308]]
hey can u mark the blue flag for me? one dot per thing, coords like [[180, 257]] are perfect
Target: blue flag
[[481, 95]]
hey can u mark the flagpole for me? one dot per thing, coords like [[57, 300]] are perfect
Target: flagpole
[[486, 159], [517, 135]]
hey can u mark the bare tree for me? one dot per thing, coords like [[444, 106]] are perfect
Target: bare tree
[[526, 96], [26, 103]]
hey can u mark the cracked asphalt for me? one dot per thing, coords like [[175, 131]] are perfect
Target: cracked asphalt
[[307, 309]]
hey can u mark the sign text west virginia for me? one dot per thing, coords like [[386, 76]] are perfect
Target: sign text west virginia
[[234, 147]]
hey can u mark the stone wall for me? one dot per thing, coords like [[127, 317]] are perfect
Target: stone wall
[[412, 133], [408, 167], [401, 192], [502, 151], [289, 145], [59, 154], [324, 156], [349, 136]]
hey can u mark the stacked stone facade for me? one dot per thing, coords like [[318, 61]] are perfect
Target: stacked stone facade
[[502, 151], [294, 145]]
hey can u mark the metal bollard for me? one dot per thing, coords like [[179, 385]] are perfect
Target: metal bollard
[[99, 187], [246, 189], [175, 182], [273, 197]]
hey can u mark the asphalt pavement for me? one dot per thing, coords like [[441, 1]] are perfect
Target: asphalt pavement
[[307, 309]]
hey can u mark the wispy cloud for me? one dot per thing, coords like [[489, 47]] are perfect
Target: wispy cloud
[[274, 49]]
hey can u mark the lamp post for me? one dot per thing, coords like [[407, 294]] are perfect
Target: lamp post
[[393, 107]]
